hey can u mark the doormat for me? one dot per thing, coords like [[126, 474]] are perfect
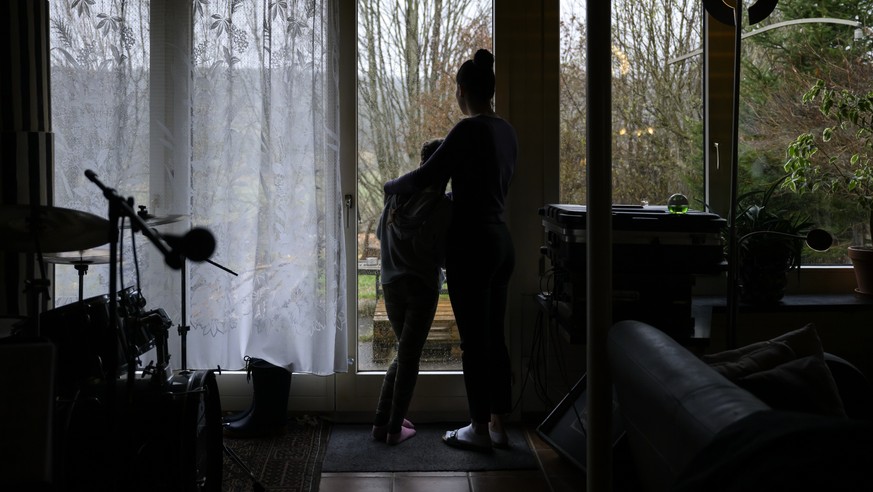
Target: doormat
[[350, 448]]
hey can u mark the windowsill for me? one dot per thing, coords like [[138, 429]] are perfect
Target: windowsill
[[792, 306], [792, 303], [809, 280]]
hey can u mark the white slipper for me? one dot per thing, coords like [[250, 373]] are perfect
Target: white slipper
[[465, 438], [499, 439]]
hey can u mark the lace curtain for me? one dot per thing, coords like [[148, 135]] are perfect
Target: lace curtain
[[221, 114]]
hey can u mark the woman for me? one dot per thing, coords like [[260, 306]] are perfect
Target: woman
[[479, 157]]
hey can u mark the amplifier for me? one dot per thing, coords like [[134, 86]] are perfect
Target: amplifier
[[655, 257], [645, 238]]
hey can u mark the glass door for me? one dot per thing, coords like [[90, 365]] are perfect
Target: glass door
[[407, 56], [406, 97]]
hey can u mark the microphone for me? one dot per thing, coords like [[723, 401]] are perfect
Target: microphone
[[198, 244]]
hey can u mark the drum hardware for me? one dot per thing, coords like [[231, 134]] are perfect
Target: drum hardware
[[93, 256], [194, 393], [80, 260], [80, 334], [43, 229], [166, 435], [158, 324], [197, 244], [169, 424], [155, 220]]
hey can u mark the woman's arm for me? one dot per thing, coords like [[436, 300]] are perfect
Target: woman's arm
[[438, 168]]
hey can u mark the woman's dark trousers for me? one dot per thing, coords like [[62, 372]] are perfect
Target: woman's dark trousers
[[479, 264]]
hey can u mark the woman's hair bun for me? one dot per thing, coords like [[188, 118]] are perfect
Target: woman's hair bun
[[483, 58]]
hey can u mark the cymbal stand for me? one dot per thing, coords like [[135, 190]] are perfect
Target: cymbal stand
[[37, 289], [82, 269]]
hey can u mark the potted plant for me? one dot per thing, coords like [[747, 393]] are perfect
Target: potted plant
[[837, 160], [770, 242]]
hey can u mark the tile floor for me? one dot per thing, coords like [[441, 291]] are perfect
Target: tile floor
[[556, 474]]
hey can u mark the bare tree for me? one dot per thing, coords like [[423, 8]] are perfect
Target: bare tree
[[656, 106], [408, 53]]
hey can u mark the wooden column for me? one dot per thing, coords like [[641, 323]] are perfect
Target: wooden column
[[26, 158], [26, 140]]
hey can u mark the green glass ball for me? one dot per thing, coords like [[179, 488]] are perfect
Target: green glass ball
[[677, 204]]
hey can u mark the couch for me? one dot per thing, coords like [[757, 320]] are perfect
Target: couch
[[769, 416]]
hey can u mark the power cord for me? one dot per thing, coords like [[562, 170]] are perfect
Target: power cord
[[539, 353]]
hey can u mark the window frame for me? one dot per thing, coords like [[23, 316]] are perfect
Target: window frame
[[718, 44]]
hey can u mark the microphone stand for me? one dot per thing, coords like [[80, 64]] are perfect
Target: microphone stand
[[174, 256], [121, 207], [184, 328], [125, 207]]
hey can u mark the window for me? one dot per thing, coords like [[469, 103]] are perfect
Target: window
[[658, 111], [783, 58], [657, 144]]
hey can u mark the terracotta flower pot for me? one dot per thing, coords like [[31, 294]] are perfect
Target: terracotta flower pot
[[862, 261]]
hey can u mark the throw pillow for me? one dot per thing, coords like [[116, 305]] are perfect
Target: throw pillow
[[803, 341], [787, 372], [752, 359], [801, 385]]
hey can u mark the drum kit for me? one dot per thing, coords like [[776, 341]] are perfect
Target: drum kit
[[116, 428]]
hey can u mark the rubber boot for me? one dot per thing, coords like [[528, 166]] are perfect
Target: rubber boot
[[268, 413], [239, 415]]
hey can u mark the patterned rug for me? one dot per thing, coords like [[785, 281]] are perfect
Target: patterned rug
[[287, 463]]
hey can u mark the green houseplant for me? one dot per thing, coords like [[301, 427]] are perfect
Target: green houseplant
[[836, 159], [770, 242]]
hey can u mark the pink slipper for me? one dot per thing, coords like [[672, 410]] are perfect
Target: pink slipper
[[380, 432], [404, 434]]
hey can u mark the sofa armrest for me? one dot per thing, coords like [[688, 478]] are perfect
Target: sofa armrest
[[672, 404], [855, 390]]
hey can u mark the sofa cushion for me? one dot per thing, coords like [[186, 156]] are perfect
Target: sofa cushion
[[739, 363], [787, 372], [800, 342], [800, 385]]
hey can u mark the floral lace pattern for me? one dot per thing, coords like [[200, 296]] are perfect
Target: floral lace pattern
[[236, 134]]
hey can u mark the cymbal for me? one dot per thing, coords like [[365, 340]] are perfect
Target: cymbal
[[51, 229], [156, 220], [98, 256]]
